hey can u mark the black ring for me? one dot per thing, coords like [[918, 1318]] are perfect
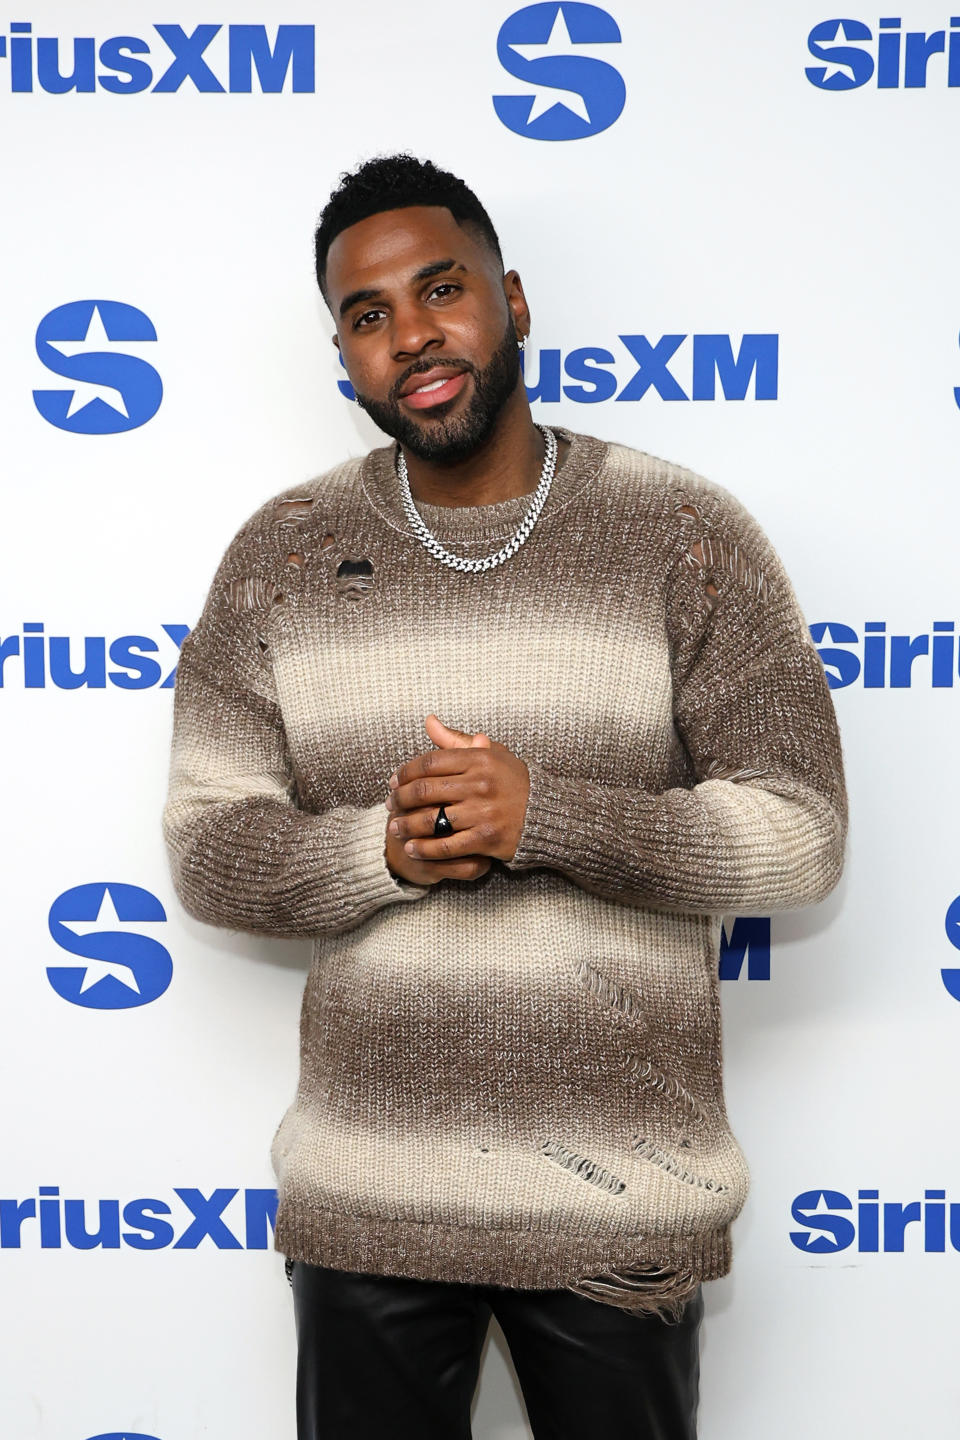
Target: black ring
[[442, 824]]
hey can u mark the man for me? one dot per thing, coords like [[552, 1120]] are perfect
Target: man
[[505, 718]]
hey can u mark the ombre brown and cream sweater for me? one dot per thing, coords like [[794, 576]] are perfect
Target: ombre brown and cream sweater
[[514, 1080]]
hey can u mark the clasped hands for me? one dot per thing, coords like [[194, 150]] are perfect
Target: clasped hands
[[484, 788]]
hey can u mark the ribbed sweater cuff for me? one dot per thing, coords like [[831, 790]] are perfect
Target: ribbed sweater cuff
[[366, 874], [563, 820]]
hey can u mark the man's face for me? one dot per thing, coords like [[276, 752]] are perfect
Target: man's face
[[427, 326]]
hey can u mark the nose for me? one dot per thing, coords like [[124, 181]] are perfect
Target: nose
[[415, 329]]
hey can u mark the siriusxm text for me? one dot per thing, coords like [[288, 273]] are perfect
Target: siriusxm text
[[748, 943], [115, 64], [851, 54], [49, 1221], [673, 367], [880, 661], [34, 660], [832, 1222]]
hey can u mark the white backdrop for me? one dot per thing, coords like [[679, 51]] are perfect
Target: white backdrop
[[734, 195]]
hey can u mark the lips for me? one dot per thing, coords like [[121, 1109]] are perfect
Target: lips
[[433, 387]]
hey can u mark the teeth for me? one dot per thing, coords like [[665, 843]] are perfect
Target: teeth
[[434, 385]]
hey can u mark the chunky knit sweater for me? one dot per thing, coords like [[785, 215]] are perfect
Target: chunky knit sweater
[[514, 1080]]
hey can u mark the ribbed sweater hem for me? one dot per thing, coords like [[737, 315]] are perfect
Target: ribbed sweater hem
[[526, 1258]]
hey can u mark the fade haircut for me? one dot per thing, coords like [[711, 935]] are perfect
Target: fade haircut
[[392, 182]]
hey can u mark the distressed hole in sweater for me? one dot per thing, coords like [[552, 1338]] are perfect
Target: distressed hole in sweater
[[716, 770], [645, 1073], [328, 542], [647, 1150], [695, 553], [296, 505], [253, 592], [354, 579], [583, 1168], [608, 991], [712, 556], [648, 1290], [295, 558]]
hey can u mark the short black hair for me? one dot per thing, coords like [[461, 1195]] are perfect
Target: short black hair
[[392, 182]]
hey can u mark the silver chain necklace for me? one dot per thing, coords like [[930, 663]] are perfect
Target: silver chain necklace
[[521, 533]]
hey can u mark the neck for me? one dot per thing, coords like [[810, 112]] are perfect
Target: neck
[[506, 466]]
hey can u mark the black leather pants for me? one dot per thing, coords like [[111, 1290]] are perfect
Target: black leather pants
[[383, 1356]]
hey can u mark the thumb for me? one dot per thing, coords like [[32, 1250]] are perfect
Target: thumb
[[446, 738]]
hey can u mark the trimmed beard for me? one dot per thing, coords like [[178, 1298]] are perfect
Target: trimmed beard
[[448, 441]]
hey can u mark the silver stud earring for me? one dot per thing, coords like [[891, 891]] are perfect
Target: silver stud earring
[[521, 343]]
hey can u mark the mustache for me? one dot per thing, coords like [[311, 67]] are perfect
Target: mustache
[[421, 367]]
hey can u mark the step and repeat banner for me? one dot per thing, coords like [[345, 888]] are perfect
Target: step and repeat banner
[[737, 229]]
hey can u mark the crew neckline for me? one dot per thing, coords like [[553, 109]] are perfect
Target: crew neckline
[[480, 524]]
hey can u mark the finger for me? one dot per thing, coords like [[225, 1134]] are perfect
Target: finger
[[468, 868], [448, 847], [413, 823], [437, 762], [420, 794]]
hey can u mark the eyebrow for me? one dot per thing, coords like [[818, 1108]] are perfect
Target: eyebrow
[[435, 267]]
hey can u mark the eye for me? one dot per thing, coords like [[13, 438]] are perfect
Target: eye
[[359, 324], [447, 285]]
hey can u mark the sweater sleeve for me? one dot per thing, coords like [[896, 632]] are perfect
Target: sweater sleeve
[[242, 853], [763, 824]]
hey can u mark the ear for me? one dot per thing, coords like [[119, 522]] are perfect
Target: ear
[[336, 338], [517, 301]]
